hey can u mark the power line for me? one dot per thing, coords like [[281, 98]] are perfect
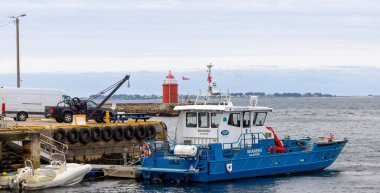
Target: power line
[[6, 24]]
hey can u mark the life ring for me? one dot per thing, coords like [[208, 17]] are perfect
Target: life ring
[[73, 135], [118, 133], [96, 134], [148, 149], [150, 132], [84, 136], [129, 132], [60, 135], [140, 132], [107, 133]]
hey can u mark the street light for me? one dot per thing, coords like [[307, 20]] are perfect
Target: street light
[[17, 46]]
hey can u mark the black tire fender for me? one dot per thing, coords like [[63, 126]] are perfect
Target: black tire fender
[[107, 133], [60, 135], [73, 135], [129, 132], [150, 132], [118, 133], [140, 132], [96, 134], [84, 136]]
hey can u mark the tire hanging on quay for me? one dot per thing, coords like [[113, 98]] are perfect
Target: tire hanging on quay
[[118, 133], [84, 136], [107, 133], [129, 132], [73, 135], [140, 132], [150, 132], [60, 135], [96, 134]]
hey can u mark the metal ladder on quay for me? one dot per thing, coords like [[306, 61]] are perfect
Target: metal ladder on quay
[[49, 146]]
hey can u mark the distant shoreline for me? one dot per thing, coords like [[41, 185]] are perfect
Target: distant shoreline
[[159, 100], [235, 95]]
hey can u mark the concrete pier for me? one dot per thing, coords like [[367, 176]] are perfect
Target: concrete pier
[[120, 171], [101, 151], [31, 151], [30, 144], [153, 109]]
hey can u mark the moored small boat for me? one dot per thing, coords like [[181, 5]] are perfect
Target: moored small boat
[[57, 173]]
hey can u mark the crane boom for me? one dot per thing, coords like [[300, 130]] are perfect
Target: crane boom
[[115, 87]]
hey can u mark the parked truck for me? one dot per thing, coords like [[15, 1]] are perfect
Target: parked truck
[[21, 103], [64, 111]]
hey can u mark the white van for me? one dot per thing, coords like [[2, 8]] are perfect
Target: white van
[[21, 103]]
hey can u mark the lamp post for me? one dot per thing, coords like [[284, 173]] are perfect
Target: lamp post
[[17, 46]]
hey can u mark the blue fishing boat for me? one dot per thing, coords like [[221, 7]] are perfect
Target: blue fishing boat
[[216, 140]]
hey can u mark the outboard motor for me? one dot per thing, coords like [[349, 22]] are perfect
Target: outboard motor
[[21, 178]]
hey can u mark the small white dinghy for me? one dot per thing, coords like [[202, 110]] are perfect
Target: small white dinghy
[[57, 173]]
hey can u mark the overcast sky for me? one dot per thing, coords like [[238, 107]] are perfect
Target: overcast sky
[[300, 46], [113, 36]]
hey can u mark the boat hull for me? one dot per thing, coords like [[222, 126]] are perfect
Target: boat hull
[[73, 175], [321, 157]]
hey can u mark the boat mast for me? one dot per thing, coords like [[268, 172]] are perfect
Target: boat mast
[[209, 80]]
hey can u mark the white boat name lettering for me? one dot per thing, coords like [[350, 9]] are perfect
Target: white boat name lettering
[[204, 131], [254, 152]]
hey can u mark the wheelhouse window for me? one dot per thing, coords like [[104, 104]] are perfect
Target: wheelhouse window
[[259, 119], [191, 119], [203, 120], [215, 119], [246, 119], [234, 119]]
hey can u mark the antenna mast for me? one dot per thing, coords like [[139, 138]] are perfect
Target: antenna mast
[[209, 79]]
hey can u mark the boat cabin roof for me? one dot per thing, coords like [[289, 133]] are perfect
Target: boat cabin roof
[[221, 108]]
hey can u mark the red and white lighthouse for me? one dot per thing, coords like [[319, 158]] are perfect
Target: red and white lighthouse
[[170, 90]]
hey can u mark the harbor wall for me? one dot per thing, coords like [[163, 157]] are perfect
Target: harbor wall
[[101, 151], [153, 109]]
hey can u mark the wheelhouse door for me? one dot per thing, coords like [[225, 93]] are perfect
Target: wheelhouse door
[[230, 128]]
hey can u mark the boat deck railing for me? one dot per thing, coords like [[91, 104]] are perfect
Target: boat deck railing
[[164, 147], [216, 99], [245, 141]]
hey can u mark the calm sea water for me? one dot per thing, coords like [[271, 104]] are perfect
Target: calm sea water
[[356, 170]]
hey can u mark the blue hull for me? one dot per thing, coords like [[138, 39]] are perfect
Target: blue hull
[[318, 158]]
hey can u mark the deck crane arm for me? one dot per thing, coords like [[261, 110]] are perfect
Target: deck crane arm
[[115, 87]]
